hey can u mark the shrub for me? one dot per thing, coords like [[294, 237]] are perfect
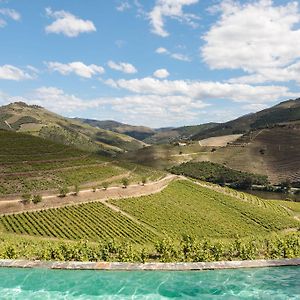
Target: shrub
[[26, 198], [76, 190], [94, 189], [37, 199], [105, 185], [144, 180], [125, 182], [63, 191]]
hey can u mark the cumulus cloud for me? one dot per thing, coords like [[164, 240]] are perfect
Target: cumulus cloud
[[123, 6], [170, 9], [67, 24], [161, 73], [122, 67], [204, 90], [7, 13], [10, 72], [258, 37], [76, 67], [177, 56]]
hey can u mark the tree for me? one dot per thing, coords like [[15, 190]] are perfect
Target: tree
[[105, 185], [144, 180], [63, 191], [286, 186], [37, 199], [26, 198], [245, 183], [125, 182], [76, 190]]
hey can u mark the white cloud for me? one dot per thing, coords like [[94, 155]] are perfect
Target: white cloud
[[180, 56], [123, 6], [204, 90], [146, 109], [171, 9], [122, 67], [161, 73], [10, 14], [258, 37], [68, 24], [177, 56], [10, 72], [77, 67], [161, 50]]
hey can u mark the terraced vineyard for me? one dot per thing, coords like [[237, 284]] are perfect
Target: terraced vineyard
[[92, 221], [31, 164], [186, 208]]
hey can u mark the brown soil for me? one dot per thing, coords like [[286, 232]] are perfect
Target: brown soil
[[53, 201]]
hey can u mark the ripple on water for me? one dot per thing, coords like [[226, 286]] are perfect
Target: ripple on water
[[264, 283]]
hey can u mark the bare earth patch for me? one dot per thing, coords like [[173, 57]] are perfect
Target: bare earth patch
[[219, 141]]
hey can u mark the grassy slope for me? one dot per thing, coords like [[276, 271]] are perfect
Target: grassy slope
[[182, 208], [38, 121], [32, 164], [186, 208]]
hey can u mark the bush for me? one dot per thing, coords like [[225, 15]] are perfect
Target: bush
[[63, 191], [37, 199], [26, 198], [105, 185], [125, 182], [76, 190], [144, 180], [94, 189]]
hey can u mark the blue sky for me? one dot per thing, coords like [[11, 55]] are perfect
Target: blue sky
[[155, 62]]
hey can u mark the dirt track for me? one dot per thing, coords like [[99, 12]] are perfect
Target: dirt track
[[53, 201]]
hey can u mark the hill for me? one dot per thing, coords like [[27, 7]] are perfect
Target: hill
[[271, 151], [285, 112], [138, 132], [169, 135], [40, 122], [31, 164], [149, 135], [182, 208]]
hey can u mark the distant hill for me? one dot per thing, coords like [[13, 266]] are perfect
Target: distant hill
[[285, 112], [138, 132], [150, 135], [38, 121], [167, 135]]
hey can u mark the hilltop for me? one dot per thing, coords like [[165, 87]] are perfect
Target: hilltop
[[284, 112], [38, 121]]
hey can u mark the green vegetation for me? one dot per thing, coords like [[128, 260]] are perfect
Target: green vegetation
[[186, 208], [220, 174], [92, 221], [37, 199], [165, 250], [30, 165], [38, 121]]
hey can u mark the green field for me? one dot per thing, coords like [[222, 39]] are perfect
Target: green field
[[31, 164], [186, 208], [183, 208], [92, 221]]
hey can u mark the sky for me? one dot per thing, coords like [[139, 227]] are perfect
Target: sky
[[156, 63]]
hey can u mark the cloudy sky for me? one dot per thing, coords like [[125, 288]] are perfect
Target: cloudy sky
[[150, 62]]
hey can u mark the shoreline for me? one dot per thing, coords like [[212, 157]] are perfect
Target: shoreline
[[120, 266]]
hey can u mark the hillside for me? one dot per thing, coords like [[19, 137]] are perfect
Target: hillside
[[273, 152], [285, 112], [31, 164], [137, 132], [165, 136], [38, 121], [182, 208]]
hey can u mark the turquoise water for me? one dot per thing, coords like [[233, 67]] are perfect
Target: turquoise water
[[262, 283]]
